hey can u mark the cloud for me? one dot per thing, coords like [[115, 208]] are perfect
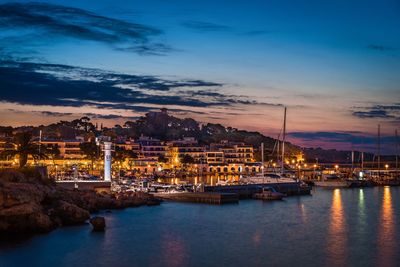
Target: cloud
[[389, 112], [201, 26], [382, 48], [28, 83], [55, 114], [343, 141], [49, 21]]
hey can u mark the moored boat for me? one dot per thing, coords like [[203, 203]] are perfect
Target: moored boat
[[268, 193], [334, 181]]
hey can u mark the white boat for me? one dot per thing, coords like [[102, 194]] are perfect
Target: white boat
[[333, 181], [268, 178]]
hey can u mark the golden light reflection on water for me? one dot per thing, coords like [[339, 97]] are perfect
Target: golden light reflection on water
[[337, 237], [386, 235], [361, 210]]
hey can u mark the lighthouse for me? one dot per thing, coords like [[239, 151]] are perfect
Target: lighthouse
[[107, 148]]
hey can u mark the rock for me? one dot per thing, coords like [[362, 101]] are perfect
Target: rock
[[25, 218], [98, 223], [153, 202], [31, 205], [70, 214]]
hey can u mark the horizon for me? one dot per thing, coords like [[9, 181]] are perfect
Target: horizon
[[356, 144], [335, 66]]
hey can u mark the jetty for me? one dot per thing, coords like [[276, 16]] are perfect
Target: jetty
[[200, 197], [247, 191]]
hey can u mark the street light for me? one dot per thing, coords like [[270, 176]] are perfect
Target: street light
[[336, 167], [386, 166]]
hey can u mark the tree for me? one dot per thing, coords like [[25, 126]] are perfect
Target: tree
[[90, 150], [24, 148], [187, 159], [121, 154], [162, 159]]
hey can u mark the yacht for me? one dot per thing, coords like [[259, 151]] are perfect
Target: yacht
[[268, 178], [333, 181]]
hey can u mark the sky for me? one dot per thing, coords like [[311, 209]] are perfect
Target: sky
[[335, 65]]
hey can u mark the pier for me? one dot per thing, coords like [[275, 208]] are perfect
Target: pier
[[246, 191], [201, 197], [85, 185]]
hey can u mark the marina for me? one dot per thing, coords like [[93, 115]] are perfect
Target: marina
[[341, 227]]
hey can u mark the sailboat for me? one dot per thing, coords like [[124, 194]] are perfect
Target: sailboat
[[270, 178]]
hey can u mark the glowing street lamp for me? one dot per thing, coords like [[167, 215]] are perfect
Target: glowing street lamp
[[336, 167], [386, 166]]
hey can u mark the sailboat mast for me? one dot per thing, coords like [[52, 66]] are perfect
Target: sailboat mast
[[352, 161], [379, 151], [262, 159], [397, 151], [283, 141], [362, 161]]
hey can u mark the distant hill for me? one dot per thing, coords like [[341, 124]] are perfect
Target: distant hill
[[165, 127]]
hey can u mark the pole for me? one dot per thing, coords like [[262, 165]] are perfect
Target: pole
[[262, 160], [40, 142], [283, 141]]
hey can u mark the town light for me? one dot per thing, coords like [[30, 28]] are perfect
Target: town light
[[386, 166]]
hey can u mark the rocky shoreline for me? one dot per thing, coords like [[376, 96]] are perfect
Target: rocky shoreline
[[30, 204]]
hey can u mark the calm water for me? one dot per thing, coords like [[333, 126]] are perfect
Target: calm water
[[348, 227]]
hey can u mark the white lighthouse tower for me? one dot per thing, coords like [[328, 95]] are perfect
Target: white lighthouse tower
[[107, 148]]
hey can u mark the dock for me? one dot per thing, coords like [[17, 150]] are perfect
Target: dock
[[246, 191], [200, 197], [94, 185]]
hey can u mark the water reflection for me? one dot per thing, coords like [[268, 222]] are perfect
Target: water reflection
[[173, 250], [386, 237], [337, 238], [361, 210]]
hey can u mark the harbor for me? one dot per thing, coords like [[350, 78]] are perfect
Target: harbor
[[340, 227]]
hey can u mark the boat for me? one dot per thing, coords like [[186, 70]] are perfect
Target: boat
[[268, 193], [333, 181], [267, 178]]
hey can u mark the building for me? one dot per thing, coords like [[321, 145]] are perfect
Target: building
[[152, 148], [215, 157], [186, 147], [69, 149], [129, 145], [238, 154]]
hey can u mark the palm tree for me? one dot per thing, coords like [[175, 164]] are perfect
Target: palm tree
[[24, 148]]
